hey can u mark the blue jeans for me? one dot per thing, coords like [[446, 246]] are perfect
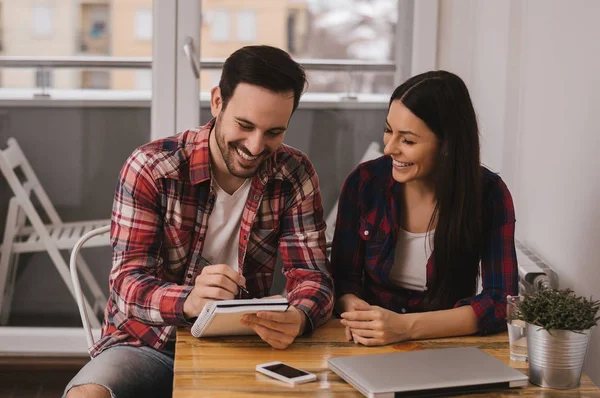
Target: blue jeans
[[130, 372]]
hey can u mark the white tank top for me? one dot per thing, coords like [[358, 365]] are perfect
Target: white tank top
[[410, 259]]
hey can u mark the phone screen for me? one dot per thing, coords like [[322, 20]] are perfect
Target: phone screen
[[285, 370]]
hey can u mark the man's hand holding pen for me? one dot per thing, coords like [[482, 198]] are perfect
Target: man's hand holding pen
[[215, 282], [221, 282]]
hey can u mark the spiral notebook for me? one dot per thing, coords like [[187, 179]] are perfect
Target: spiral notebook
[[222, 318]]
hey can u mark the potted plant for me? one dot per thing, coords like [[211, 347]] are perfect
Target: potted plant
[[559, 325]]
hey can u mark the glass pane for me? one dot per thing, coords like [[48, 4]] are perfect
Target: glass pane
[[75, 125], [71, 28], [357, 30]]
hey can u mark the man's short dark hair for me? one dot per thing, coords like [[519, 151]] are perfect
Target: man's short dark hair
[[264, 66]]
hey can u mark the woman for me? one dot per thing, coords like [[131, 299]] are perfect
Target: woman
[[414, 224]]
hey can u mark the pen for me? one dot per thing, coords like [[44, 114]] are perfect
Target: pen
[[205, 262], [242, 288]]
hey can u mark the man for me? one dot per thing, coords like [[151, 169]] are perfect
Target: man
[[229, 192]]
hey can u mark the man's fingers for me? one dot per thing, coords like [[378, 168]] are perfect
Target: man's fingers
[[216, 280], [281, 317], [286, 328], [215, 293], [222, 281], [224, 269], [274, 338], [359, 315]]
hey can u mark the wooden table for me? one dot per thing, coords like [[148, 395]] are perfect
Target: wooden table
[[224, 367]]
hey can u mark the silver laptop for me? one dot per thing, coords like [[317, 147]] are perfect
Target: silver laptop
[[426, 373]]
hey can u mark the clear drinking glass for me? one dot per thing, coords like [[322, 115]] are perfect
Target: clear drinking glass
[[517, 334]]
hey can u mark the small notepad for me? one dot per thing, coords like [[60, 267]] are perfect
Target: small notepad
[[222, 318]]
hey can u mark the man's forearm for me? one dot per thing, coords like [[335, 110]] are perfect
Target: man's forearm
[[151, 302]]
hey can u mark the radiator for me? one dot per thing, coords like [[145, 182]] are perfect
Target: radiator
[[534, 273]]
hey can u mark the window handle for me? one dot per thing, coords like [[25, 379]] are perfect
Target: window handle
[[190, 53]]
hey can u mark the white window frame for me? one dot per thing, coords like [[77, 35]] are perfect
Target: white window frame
[[177, 108], [246, 26]]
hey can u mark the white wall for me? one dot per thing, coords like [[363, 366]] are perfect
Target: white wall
[[473, 35], [532, 68]]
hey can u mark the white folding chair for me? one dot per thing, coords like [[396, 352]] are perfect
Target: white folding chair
[[25, 232], [85, 320]]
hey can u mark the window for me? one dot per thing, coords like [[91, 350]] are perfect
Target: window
[[246, 26], [43, 78], [143, 24], [143, 80], [94, 27], [330, 30], [42, 21], [220, 25]]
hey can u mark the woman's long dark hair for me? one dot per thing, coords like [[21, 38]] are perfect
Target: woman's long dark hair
[[442, 101]]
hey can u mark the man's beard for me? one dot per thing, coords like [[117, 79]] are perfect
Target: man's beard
[[229, 157]]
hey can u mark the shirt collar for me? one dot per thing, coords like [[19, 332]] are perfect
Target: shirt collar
[[200, 159]]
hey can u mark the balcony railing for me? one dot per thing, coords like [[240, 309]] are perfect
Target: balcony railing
[[332, 65], [353, 70]]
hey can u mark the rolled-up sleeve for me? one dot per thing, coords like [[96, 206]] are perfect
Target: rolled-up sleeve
[[305, 265]]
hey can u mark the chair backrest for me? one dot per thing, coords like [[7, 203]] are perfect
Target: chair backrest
[[12, 158], [85, 320]]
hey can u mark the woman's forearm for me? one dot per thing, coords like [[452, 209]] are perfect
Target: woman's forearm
[[446, 323]]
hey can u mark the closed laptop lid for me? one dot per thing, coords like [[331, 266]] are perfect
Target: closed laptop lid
[[429, 371]]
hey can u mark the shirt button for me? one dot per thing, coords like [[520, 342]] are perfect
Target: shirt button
[[160, 341], [403, 310], [189, 275], [366, 233], [256, 197], [245, 237]]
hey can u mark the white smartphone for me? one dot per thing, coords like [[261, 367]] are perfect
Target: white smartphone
[[287, 373]]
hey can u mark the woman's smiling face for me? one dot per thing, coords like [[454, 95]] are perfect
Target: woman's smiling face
[[410, 143]]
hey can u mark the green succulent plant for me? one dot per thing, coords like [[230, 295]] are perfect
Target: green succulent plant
[[557, 309]]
